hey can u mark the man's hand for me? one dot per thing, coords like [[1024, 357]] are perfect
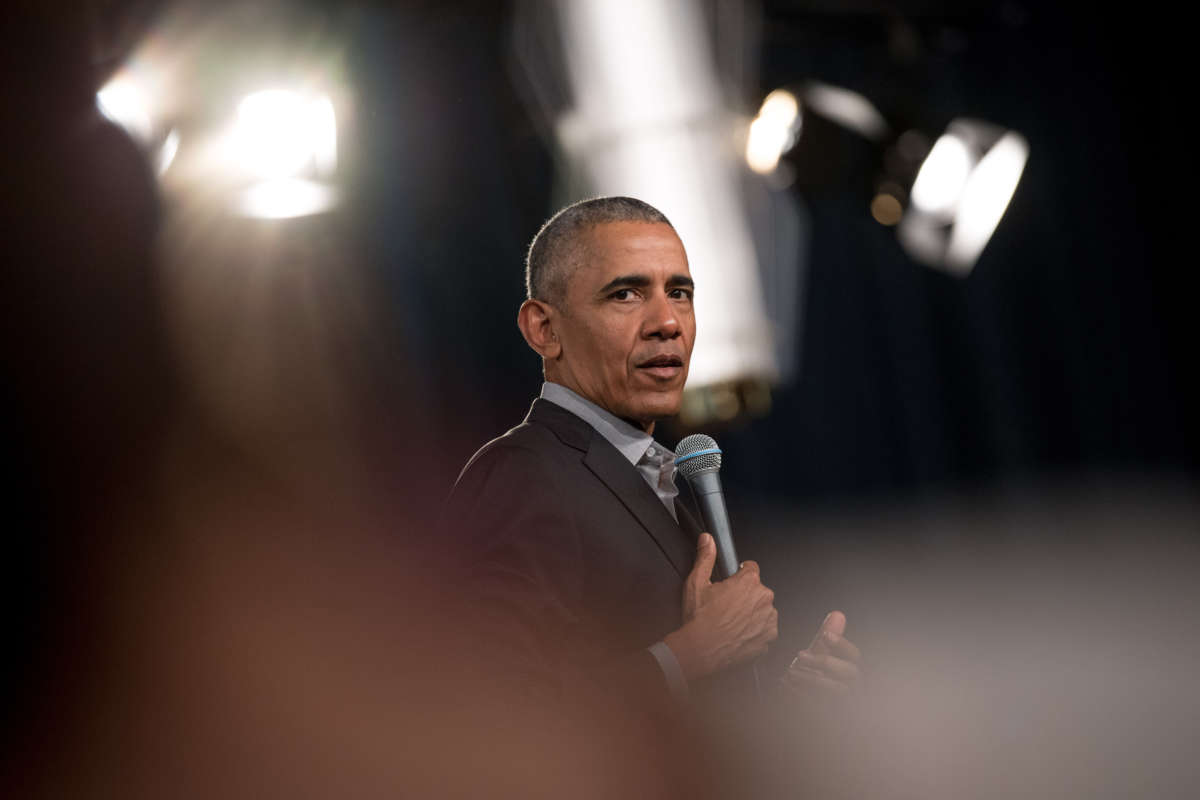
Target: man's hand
[[829, 666], [725, 623]]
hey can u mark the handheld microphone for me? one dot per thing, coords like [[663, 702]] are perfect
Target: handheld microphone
[[698, 459]]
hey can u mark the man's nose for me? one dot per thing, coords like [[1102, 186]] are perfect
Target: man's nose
[[662, 319]]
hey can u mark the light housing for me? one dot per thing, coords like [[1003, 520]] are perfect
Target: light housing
[[960, 193]]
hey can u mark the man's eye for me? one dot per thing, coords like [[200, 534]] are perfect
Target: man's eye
[[622, 294], [681, 294]]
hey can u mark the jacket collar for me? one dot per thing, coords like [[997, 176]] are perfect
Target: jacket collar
[[631, 441]]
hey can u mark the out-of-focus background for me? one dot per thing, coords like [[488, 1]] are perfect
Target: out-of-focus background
[[263, 266]]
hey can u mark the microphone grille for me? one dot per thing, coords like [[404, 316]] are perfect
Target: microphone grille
[[697, 453]]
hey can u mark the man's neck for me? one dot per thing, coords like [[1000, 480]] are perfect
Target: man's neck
[[645, 426]]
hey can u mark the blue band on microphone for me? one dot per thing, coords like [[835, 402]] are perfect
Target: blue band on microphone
[[710, 451]]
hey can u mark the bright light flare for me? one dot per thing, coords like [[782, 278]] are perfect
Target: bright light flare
[[943, 176], [985, 199], [960, 194], [166, 153], [282, 134], [773, 131], [324, 140], [124, 102], [284, 198]]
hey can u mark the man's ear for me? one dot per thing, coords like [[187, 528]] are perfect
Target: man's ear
[[536, 321]]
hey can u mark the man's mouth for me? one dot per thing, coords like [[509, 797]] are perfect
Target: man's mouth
[[662, 366]]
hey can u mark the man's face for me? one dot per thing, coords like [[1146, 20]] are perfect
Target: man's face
[[628, 326]]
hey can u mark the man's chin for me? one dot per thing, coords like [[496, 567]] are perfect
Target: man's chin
[[656, 408]]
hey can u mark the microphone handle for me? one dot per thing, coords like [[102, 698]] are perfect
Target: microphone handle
[[706, 488]]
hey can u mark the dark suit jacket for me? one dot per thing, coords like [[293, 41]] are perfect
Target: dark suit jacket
[[573, 567], [569, 552]]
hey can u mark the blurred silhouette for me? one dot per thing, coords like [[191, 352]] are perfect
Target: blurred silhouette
[[189, 617]]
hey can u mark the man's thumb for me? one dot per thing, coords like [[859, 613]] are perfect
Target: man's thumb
[[834, 623], [706, 557]]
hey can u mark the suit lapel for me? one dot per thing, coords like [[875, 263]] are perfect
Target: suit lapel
[[623, 480], [690, 526]]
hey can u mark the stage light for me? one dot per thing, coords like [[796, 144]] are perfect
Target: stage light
[[283, 198], [282, 134], [237, 111], [128, 99], [285, 142], [773, 131], [960, 193], [123, 101], [941, 179], [985, 199], [777, 127]]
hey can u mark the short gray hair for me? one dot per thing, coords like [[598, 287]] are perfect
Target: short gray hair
[[555, 252]]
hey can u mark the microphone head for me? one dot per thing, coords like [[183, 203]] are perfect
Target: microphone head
[[697, 453]]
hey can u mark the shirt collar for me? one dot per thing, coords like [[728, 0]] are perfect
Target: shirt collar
[[631, 442]]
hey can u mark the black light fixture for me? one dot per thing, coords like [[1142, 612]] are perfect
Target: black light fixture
[[944, 198]]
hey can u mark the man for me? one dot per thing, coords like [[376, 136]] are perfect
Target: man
[[576, 546]]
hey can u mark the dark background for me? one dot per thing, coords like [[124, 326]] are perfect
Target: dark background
[[1064, 352]]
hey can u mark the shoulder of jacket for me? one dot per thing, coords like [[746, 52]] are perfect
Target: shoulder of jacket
[[527, 447]]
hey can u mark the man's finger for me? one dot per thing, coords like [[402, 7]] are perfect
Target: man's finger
[[766, 599], [809, 681], [830, 666], [769, 631], [706, 559], [748, 568], [842, 647], [835, 624]]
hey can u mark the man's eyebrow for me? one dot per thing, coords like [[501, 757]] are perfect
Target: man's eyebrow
[[623, 281], [642, 281]]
